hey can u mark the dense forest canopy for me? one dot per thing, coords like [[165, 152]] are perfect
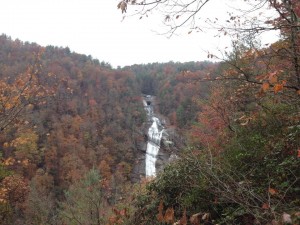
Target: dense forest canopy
[[63, 114], [72, 114], [71, 128]]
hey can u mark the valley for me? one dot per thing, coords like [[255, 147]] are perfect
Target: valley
[[159, 143]]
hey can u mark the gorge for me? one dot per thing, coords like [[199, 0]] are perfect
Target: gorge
[[78, 138]]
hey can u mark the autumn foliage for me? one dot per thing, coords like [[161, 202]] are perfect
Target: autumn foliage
[[61, 115], [72, 127]]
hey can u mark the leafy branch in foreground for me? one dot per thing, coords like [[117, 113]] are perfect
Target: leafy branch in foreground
[[250, 17]]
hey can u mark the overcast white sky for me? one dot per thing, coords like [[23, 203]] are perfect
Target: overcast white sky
[[95, 27]]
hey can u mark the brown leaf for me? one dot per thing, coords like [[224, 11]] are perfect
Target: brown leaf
[[272, 191], [123, 6], [265, 206], [167, 18], [183, 220], [278, 87], [169, 216], [265, 86], [160, 216], [119, 4], [195, 219], [161, 206]]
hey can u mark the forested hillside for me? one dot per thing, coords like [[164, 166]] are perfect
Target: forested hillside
[[73, 129], [62, 115], [70, 123], [241, 162], [71, 126]]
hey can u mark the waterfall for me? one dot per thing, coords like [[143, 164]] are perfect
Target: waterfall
[[154, 136]]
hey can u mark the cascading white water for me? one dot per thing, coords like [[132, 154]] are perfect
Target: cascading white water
[[154, 137]]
